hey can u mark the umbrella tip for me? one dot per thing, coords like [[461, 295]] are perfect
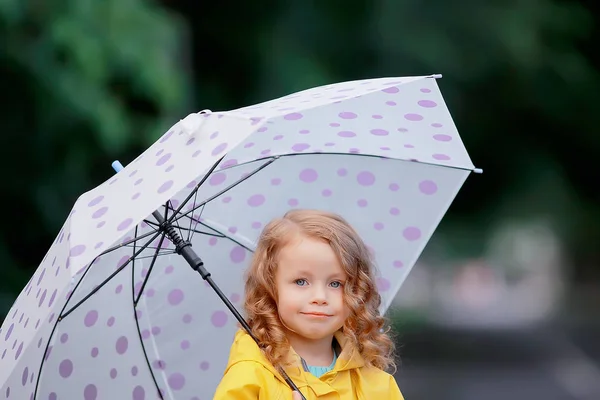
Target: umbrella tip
[[437, 76], [117, 166], [478, 170]]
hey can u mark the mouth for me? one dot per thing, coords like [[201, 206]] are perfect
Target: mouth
[[316, 314]]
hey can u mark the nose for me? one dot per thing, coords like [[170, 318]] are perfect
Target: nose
[[319, 295]]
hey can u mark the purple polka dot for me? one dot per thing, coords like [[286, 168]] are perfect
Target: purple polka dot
[[217, 178], [256, 200], [425, 90], [51, 396], [110, 322], [391, 90], [308, 175], [256, 225], [229, 163], [377, 116], [383, 284], [204, 365], [138, 181], [413, 117], [52, 298], [77, 250], [94, 352], [8, 332], [379, 132], [427, 103], [365, 178], [293, 116], [65, 368], [138, 393], [176, 381], [378, 226], [121, 345], [219, 319], [101, 224], [394, 187], [219, 149], [342, 172], [275, 181], [165, 186], [64, 338], [362, 203], [185, 344], [175, 297], [441, 157], [398, 264], [163, 159], [196, 153], [277, 137], [95, 201], [99, 212], [442, 138], [134, 370], [411, 233], [300, 146], [437, 125], [159, 364], [90, 318], [237, 254], [212, 241], [135, 196], [394, 211], [326, 193], [90, 392], [113, 373], [346, 134], [390, 103], [293, 202], [428, 187], [166, 136], [347, 115], [303, 131], [25, 376]]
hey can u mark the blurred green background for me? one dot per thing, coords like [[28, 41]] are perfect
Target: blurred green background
[[505, 301]]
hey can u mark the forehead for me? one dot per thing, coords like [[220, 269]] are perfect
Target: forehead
[[308, 255]]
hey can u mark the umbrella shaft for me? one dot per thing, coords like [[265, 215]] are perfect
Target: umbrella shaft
[[185, 249]]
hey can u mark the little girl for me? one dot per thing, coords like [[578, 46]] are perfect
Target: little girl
[[312, 303]]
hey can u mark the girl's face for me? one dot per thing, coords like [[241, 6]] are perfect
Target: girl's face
[[310, 287]]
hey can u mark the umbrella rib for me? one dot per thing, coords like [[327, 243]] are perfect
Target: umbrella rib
[[189, 196], [97, 288], [224, 236], [62, 315], [135, 302], [128, 242], [219, 193], [154, 258]]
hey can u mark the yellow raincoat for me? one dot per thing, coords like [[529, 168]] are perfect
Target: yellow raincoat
[[249, 376]]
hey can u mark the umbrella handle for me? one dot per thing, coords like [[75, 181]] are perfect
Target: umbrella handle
[[185, 250]]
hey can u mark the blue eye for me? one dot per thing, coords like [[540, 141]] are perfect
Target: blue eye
[[300, 282], [336, 284]]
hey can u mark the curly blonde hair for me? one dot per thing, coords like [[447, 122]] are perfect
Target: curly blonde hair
[[365, 329]]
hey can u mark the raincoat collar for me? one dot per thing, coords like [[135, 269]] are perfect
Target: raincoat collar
[[245, 348]]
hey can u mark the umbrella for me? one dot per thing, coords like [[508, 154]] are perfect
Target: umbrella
[[114, 309]]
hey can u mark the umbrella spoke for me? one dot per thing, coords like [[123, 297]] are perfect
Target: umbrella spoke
[[105, 281], [223, 235], [154, 258], [268, 162], [128, 242], [193, 192], [135, 301]]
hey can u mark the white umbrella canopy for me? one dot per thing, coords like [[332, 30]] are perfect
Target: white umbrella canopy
[[114, 310]]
